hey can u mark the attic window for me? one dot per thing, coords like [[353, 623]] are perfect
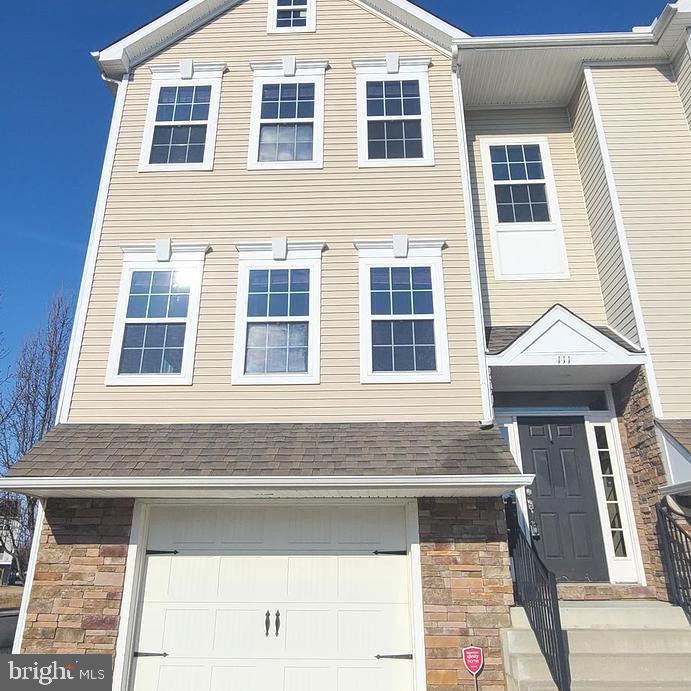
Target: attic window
[[291, 15]]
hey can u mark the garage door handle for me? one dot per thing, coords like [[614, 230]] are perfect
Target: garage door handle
[[267, 621], [407, 656]]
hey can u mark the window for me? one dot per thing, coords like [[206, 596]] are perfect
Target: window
[[277, 322], [525, 225], [402, 320], [287, 117], [156, 317], [610, 492], [394, 116], [291, 16], [181, 121]]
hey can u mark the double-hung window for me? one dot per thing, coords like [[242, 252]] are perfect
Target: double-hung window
[[287, 116], [394, 115], [277, 320], [525, 225], [156, 318], [402, 317], [291, 16], [181, 120]]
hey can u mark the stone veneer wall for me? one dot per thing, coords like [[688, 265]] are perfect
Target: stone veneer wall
[[467, 589], [645, 469], [77, 588]]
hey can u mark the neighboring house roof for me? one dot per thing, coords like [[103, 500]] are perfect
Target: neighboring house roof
[[499, 338], [300, 449], [139, 45], [680, 430]]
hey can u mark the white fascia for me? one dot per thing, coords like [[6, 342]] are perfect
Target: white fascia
[[266, 486], [287, 70], [184, 257]]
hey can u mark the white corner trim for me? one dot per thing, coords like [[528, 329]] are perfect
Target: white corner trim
[[295, 249], [386, 247], [272, 20], [623, 242], [181, 70], [471, 239], [552, 229], [417, 597], [136, 552], [29, 582], [450, 485], [377, 69], [185, 257], [276, 67], [84, 297]]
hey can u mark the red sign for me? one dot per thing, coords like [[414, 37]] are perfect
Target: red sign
[[473, 659]]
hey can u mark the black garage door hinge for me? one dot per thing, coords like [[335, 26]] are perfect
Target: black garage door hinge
[[162, 551], [393, 551]]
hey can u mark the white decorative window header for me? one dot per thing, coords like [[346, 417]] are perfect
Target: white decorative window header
[[400, 246], [189, 69], [288, 66], [280, 248], [392, 63]]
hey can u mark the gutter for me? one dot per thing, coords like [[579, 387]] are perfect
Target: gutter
[[268, 486]]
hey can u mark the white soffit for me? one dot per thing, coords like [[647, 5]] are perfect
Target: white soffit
[[519, 71], [131, 50]]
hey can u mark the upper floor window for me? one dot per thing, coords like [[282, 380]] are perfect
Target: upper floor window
[[182, 117], [402, 314], [277, 319], [156, 318], [287, 117], [525, 224], [291, 15], [394, 113]]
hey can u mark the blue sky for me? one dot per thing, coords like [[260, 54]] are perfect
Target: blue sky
[[55, 112]]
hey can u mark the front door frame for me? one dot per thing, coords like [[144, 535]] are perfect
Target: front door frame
[[134, 578], [627, 569]]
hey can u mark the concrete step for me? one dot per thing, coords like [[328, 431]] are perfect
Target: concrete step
[[603, 669], [613, 615], [611, 641]]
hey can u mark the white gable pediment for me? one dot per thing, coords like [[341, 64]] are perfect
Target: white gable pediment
[[561, 338]]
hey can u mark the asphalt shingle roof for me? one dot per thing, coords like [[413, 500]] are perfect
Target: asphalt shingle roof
[[679, 429], [306, 449]]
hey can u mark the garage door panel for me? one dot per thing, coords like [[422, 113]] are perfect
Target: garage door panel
[[193, 578], [309, 678], [157, 578], [371, 528], [364, 633], [246, 678], [171, 527], [372, 579], [312, 579], [242, 527], [151, 674], [188, 632], [310, 633], [241, 633], [260, 578]]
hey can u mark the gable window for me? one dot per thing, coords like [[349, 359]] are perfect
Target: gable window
[[277, 320], [156, 318], [287, 117], [394, 115], [291, 15], [402, 315], [181, 121], [525, 225]]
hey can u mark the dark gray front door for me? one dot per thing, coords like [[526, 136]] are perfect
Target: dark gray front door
[[562, 505]]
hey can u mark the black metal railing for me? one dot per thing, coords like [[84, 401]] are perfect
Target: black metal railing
[[676, 555], [536, 591]]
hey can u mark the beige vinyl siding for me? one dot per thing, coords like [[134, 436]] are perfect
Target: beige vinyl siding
[[522, 302], [337, 205], [650, 147], [608, 253], [682, 71]]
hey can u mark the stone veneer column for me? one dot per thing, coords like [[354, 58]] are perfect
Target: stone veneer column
[[644, 467], [77, 589], [467, 588]]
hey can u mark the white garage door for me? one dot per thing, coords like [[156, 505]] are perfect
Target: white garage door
[[275, 599]]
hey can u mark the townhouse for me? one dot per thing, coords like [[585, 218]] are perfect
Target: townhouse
[[354, 277]]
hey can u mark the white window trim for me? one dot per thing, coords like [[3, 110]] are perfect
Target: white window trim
[[394, 68], [561, 272], [422, 252], [298, 255], [272, 19], [189, 258], [287, 70], [206, 74]]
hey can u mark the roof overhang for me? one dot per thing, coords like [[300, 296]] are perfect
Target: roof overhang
[[540, 71], [126, 53], [561, 348], [267, 487]]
